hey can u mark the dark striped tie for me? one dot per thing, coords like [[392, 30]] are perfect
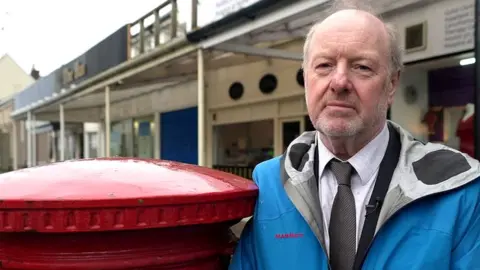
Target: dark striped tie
[[342, 228]]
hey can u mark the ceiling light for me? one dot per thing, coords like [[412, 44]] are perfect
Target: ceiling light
[[467, 61]]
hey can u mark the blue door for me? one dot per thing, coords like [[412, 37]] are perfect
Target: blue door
[[178, 131]]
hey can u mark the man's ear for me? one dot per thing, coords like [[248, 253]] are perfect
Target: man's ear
[[393, 85], [304, 74]]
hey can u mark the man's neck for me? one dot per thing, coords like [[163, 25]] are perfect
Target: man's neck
[[344, 147]]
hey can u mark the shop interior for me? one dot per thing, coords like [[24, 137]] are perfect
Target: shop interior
[[449, 107], [243, 144], [133, 138]]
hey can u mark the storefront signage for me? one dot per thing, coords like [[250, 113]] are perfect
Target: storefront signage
[[459, 26], [71, 74], [226, 7]]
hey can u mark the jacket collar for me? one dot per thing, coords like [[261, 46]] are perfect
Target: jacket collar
[[414, 176]]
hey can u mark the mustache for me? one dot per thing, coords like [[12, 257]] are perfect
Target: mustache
[[346, 100]]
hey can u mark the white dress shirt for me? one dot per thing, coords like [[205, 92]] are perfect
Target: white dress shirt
[[366, 163]]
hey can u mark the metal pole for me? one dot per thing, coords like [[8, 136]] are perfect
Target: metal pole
[[476, 118], [201, 108], [107, 121], [29, 138], [62, 133]]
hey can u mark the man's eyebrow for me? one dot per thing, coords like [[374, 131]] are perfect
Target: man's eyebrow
[[329, 54]]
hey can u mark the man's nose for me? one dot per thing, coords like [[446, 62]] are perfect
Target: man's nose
[[340, 78]]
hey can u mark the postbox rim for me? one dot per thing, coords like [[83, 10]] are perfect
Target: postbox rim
[[203, 195]]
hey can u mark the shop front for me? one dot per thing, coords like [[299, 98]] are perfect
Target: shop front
[[73, 143], [435, 101], [254, 111], [133, 137]]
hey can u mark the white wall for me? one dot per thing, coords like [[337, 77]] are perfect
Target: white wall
[[409, 115], [450, 27], [171, 98], [13, 78]]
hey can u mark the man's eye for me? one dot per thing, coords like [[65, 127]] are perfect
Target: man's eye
[[323, 65], [363, 68]]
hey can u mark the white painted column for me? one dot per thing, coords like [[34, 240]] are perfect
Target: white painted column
[[28, 127], [156, 136], [277, 137], [14, 145], [107, 121], [101, 140], [62, 133], [86, 143], [34, 140], [201, 107]]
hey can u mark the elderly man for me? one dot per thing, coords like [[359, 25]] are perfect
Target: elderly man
[[360, 192]]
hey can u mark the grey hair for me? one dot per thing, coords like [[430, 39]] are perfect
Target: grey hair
[[396, 63]]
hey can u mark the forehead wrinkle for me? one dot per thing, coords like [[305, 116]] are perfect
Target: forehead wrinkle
[[356, 36], [364, 34], [328, 48], [346, 23], [328, 53]]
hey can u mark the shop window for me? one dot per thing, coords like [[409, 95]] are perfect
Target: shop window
[[240, 147], [144, 138], [121, 139], [93, 147], [449, 118], [133, 138]]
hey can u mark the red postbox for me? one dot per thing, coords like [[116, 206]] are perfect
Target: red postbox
[[116, 213]]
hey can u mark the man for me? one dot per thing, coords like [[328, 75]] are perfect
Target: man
[[360, 192]]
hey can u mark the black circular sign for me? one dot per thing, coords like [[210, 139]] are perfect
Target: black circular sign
[[268, 83], [235, 91]]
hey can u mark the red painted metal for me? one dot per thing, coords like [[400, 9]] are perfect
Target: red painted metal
[[119, 213]]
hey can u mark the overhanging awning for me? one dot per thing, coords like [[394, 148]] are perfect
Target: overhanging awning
[[249, 35]]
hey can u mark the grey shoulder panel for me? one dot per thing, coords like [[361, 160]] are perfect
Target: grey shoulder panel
[[298, 155], [439, 166]]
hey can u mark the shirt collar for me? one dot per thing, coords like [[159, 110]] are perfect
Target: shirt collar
[[366, 161]]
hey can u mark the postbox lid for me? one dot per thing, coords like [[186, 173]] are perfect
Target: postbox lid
[[120, 193]]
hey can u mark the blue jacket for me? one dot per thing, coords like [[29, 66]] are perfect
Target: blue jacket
[[430, 218]]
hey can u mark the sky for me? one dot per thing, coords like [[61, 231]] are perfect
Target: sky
[[50, 33]]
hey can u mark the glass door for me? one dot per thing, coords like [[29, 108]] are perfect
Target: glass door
[[290, 129]]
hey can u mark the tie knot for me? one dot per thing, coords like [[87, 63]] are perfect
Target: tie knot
[[342, 171]]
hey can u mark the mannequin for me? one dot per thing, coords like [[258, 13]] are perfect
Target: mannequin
[[434, 121], [469, 111], [465, 130]]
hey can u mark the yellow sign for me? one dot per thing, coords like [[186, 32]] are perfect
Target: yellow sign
[[79, 70]]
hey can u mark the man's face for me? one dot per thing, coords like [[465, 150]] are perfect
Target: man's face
[[347, 78]]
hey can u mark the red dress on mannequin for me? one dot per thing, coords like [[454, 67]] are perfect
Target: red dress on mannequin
[[465, 134]]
